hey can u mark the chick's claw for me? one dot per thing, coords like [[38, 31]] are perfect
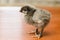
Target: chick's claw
[[32, 32]]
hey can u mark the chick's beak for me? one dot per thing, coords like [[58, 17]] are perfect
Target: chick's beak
[[20, 11]]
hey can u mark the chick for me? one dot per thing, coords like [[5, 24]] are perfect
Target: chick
[[36, 17]]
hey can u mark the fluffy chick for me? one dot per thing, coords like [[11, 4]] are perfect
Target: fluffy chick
[[37, 17]]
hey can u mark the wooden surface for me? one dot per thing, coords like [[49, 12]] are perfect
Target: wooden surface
[[13, 27]]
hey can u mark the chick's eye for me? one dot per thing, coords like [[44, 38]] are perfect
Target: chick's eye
[[25, 10]]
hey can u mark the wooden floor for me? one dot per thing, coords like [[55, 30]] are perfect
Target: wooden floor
[[13, 27]]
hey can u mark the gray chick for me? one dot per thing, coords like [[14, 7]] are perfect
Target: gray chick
[[36, 17]]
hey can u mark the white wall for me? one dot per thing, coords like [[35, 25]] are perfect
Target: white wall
[[41, 2]]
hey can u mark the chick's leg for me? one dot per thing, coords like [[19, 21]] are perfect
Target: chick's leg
[[41, 32], [36, 33]]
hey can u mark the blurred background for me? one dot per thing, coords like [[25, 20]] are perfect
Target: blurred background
[[34, 2]]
